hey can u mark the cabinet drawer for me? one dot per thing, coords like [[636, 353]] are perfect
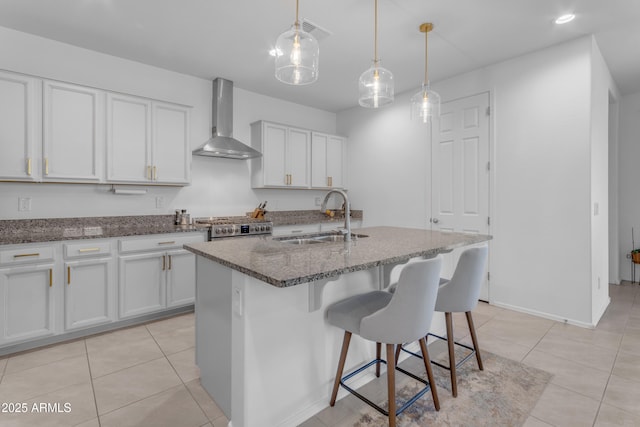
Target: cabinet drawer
[[170, 241], [26, 255], [83, 250]]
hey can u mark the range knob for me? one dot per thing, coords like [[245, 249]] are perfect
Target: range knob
[[229, 230], [218, 230]]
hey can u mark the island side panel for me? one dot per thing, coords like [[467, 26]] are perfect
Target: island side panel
[[213, 308], [284, 356]]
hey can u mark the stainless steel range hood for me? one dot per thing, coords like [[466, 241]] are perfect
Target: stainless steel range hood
[[222, 143]]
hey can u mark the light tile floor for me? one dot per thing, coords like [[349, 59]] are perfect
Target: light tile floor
[[146, 376]]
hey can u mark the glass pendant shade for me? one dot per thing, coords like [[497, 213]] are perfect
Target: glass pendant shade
[[425, 104], [376, 87], [297, 57]]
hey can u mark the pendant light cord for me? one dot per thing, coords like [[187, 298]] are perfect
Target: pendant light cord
[[426, 38], [375, 35], [297, 23]]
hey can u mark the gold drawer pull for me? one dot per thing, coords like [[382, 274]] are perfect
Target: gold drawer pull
[[173, 242], [46, 166], [29, 166], [148, 172], [68, 275], [155, 173], [164, 262], [83, 250], [25, 255], [50, 277], [169, 262]]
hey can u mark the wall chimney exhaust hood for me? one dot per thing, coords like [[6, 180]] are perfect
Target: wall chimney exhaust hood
[[222, 143]]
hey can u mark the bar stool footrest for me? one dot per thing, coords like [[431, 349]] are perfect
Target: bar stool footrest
[[458, 364], [384, 412]]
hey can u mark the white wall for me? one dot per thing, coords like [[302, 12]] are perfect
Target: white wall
[[541, 182], [219, 186], [602, 88], [629, 173], [388, 157]]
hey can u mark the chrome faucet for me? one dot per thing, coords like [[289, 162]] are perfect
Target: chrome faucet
[[347, 212]]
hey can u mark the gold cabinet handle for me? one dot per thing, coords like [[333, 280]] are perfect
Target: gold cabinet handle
[[172, 242], [29, 166], [83, 250], [169, 262], [164, 262], [68, 275], [46, 166], [50, 277], [155, 173], [148, 172], [25, 255]]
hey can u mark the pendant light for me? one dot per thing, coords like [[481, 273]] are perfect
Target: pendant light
[[297, 54], [426, 103], [376, 84]]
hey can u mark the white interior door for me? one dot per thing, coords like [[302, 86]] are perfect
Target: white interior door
[[460, 172]]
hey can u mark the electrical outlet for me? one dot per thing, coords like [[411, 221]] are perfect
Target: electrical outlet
[[159, 202], [318, 201], [24, 204]]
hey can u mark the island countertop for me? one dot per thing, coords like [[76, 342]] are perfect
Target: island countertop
[[283, 264]]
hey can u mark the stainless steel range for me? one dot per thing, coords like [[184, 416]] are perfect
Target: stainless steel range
[[234, 226]]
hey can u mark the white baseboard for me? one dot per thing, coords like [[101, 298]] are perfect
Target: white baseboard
[[544, 315]]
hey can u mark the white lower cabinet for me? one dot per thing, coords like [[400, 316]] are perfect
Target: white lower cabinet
[[27, 302], [141, 283], [160, 275], [181, 278], [59, 288], [88, 293]]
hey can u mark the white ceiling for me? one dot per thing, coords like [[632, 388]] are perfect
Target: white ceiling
[[231, 38]]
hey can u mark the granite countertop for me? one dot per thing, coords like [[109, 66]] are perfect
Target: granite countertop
[[57, 229], [283, 264]]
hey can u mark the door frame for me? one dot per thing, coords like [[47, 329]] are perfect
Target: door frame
[[493, 172]]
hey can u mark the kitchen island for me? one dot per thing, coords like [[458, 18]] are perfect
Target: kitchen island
[[265, 352]]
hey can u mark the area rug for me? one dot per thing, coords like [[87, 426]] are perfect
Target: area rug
[[503, 394]]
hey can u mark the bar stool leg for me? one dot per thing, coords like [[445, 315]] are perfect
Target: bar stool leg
[[427, 366], [391, 384], [343, 357], [474, 339], [398, 348], [452, 355], [378, 349]]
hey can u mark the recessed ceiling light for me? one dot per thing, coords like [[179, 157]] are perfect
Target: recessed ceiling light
[[565, 18]]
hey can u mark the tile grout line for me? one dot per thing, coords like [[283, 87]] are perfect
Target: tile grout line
[[179, 377], [93, 390]]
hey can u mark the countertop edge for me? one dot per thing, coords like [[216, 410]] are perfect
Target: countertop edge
[[330, 273]]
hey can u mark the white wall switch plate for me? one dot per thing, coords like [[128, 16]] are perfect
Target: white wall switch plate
[[24, 204]]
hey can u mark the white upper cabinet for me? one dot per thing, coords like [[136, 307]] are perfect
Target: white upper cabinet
[[73, 133], [60, 132], [19, 115], [171, 154], [286, 156], [128, 139], [328, 161], [147, 141]]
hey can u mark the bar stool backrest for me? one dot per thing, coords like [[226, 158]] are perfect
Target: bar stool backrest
[[408, 315], [461, 293]]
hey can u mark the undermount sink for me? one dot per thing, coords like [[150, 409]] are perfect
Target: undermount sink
[[317, 238]]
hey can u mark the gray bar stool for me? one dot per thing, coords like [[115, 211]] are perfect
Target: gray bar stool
[[382, 317], [460, 295]]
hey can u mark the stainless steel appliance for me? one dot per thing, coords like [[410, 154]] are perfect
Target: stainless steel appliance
[[234, 226]]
